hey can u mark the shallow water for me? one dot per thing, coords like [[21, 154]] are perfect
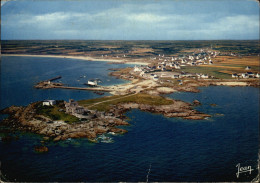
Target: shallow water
[[176, 149]]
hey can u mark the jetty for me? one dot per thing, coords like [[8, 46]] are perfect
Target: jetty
[[47, 85], [53, 79], [84, 88]]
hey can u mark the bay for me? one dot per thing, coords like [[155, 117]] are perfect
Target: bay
[[174, 149]]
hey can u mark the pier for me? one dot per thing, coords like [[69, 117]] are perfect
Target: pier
[[81, 88], [53, 79]]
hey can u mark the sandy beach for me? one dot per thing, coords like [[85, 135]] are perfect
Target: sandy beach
[[80, 58], [232, 83]]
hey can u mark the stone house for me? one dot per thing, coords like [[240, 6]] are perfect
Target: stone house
[[73, 108]]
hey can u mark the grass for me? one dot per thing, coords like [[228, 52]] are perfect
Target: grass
[[212, 71], [114, 100], [54, 113]]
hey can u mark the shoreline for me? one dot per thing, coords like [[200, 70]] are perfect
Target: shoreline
[[78, 57]]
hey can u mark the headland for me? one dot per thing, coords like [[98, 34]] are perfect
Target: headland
[[152, 77]]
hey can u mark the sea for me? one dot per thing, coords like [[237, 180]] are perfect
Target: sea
[[155, 149]]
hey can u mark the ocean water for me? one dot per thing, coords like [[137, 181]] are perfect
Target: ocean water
[[20, 74], [162, 149]]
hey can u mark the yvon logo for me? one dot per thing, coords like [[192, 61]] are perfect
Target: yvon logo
[[243, 169]]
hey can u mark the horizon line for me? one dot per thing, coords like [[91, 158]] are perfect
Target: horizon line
[[128, 40]]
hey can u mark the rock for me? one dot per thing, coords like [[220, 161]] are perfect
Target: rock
[[77, 135], [41, 149], [57, 138], [196, 102], [100, 131], [213, 105], [46, 138], [194, 117], [7, 139], [118, 130]]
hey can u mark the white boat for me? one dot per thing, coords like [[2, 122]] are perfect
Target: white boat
[[92, 82]]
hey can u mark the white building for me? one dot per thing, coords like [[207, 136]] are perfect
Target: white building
[[247, 68], [48, 102], [244, 75], [234, 75], [155, 78], [177, 66], [204, 76], [137, 69]]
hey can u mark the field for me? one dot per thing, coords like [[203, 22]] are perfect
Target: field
[[55, 113], [233, 56], [131, 49], [104, 104], [224, 66]]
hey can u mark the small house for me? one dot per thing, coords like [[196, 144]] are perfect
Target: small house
[[175, 76], [155, 78], [234, 75], [244, 75], [204, 76], [48, 102], [177, 66], [137, 69], [247, 68], [250, 74]]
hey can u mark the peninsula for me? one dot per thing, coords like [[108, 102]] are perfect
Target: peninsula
[[156, 74]]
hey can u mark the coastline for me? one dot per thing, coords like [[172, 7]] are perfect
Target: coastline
[[78, 57]]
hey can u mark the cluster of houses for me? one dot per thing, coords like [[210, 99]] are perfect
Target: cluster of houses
[[170, 64], [202, 57], [155, 73], [246, 74]]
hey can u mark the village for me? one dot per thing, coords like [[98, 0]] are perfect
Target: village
[[170, 67]]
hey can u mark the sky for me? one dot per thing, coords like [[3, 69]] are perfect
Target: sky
[[129, 19]]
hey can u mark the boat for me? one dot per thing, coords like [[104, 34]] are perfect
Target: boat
[[92, 82]]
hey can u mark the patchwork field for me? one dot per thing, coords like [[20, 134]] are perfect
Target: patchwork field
[[233, 56]]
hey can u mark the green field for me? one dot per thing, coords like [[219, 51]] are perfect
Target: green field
[[113, 100], [55, 113], [212, 71]]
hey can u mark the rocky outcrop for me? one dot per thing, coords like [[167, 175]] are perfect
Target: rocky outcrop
[[41, 149], [196, 102], [177, 109], [26, 119]]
